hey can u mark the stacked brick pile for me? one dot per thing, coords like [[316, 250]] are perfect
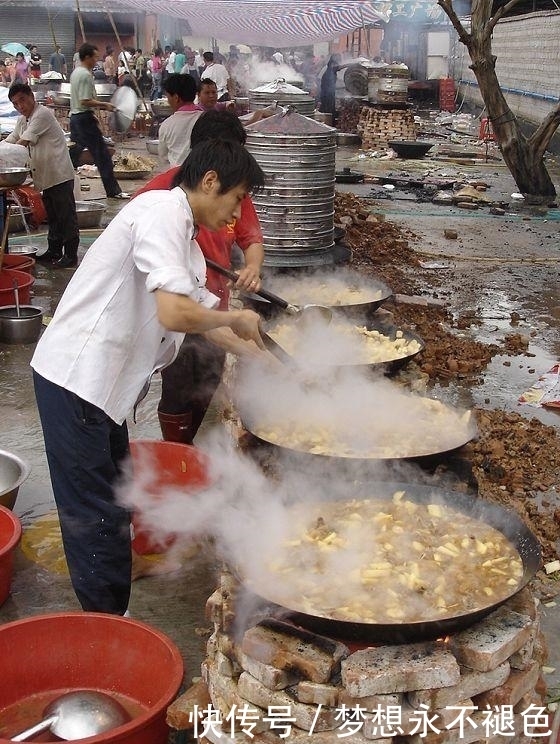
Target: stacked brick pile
[[378, 126], [470, 686]]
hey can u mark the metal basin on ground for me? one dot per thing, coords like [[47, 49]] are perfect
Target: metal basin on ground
[[89, 213], [411, 149], [13, 472], [20, 328], [19, 219], [152, 146]]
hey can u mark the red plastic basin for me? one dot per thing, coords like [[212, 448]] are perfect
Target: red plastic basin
[[7, 292], [162, 465], [47, 655], [10, 535], [20, 263]]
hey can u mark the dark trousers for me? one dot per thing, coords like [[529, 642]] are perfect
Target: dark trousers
[[85, 132], [63, 221], [188, 384], [85, 450]]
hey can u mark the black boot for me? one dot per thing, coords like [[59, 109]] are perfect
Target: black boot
[[49, 257], [177, 427]]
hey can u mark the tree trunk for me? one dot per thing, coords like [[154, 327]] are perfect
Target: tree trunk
[[525, 164], [522, 155]]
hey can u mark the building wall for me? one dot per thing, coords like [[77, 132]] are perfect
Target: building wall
[[528, 65]]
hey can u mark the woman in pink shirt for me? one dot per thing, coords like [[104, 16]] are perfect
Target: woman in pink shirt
[[21, 69]]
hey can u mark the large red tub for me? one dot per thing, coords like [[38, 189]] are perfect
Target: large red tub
[[10, 535], [8, 278], [46, 656]]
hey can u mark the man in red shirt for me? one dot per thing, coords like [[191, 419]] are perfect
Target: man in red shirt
[[189, 383]]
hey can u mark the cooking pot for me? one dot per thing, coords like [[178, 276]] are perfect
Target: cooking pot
[[347, 360], [294, 285], [505, 521]]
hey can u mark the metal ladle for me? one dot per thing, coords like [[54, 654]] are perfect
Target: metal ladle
[[16, 295], [309, 312], [77, 715]]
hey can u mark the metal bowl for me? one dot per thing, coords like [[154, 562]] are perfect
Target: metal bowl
[[161, 110], [348, 139], [410, 148], [19, 219], [152, 146], [23, 328], [13, 472], [13, 176], [23, 249], [89, 213]]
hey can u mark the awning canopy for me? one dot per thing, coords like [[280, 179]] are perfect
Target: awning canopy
[[279, 23]]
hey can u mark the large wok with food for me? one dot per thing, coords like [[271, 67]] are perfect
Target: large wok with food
[[342, 290], [345, 416], [482, 555], [368, 343]]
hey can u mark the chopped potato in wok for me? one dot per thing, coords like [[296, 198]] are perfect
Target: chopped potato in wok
[[429, 427], [328, 293], [357, 344], [380, 561]]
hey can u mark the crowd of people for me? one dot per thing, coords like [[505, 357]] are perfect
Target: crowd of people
[[146, 72]]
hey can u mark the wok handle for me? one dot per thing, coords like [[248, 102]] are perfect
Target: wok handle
[[265, 294], [36, 729]]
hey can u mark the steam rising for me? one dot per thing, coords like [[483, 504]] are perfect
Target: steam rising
[[246, 511]]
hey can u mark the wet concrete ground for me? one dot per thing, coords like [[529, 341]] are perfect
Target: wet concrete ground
[[499, 264]]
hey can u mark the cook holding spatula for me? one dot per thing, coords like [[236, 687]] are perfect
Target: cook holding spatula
[[139, 289]]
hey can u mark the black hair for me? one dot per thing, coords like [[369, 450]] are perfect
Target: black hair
[[86, 50], [207, 81], [233, 164], [223, 125], [182, 85], [16, 88], [208, 56]]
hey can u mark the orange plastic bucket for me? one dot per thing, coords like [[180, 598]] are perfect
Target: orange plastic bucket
[[10, 535], [46, 656], [21, 263], [7, 293], [164, 465]]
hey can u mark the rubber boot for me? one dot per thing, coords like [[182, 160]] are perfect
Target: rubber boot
[[177, 427]]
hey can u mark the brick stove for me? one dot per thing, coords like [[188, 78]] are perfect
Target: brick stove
[[481, 684]]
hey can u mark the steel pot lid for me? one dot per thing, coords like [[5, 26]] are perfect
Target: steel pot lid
[[289, 123], [279, 86], [125, 101]]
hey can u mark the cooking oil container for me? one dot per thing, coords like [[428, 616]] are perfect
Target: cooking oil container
[[296, 205]]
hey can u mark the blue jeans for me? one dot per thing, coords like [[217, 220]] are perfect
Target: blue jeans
[[85, 450]]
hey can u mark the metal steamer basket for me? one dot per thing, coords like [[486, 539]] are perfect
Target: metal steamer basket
[[284, 94], [296, 206]]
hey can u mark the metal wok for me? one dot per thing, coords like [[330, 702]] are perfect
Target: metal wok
[[426, 448], [380, 292], [505, 521], [388, 366]]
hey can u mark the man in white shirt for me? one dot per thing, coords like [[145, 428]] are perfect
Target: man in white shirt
[[175, 131], [123, 316], [218, 73], [52, 171]]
